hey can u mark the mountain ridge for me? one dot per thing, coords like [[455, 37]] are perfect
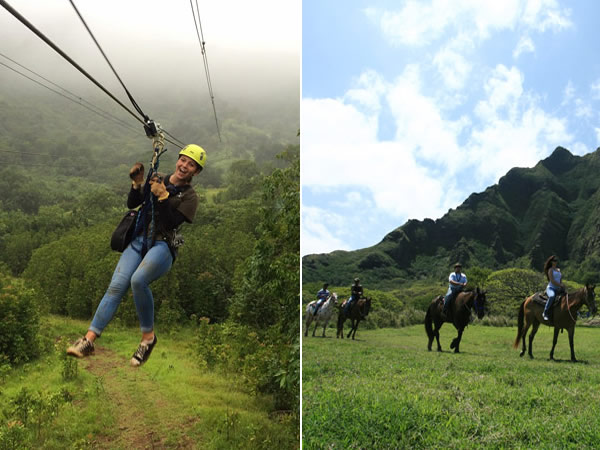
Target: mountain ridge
[[531, 213]]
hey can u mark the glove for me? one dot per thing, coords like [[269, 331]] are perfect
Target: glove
[[137, 175], [158, 188]]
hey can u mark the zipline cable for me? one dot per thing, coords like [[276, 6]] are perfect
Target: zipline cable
[[131, 99], [39, 34], [205, 60], [99, 111]]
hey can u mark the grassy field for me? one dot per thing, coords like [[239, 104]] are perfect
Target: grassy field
[[385, 390], [102, 402]]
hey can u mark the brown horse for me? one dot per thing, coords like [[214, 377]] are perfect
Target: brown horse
[[565, 316], [358, 311], [459, 314]]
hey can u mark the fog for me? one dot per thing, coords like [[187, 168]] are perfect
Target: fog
[[253, 49]]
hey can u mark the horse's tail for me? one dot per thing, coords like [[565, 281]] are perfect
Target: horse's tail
[[429, 321], [520, 324]]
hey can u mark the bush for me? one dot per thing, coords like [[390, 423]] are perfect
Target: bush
[[268, 363], [29, 416], [19, 322], [499, 321]]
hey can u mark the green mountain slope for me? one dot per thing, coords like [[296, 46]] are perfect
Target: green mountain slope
[[552, 208]]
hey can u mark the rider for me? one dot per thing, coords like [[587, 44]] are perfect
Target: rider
[[322, 295], [356, 293], [555, 284], [456, 283]]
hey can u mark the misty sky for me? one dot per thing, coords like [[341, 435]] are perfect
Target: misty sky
[[409, 106], [251, 46]]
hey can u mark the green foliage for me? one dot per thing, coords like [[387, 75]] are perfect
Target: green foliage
[[268, 293], [506, 289], [19, 322], [28, 417], [478, 277], [268, 364], [72, 271], [70, 367]]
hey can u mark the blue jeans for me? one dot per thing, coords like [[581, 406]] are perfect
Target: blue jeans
[[551, 292], [452, 293], [349, 304], [139, 273]]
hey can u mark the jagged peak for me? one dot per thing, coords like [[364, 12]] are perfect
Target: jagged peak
[[560, 161]]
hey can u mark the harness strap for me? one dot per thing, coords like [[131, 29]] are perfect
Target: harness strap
[[141, 225]]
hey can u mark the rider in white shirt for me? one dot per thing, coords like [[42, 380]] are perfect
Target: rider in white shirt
[[456, 283]]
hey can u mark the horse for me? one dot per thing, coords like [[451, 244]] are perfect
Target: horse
[[564, 316], [459, 313], [358, 311], [323, 315]]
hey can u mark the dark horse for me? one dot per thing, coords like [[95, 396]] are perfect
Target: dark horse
[[358, 311], [459, 314], [564, 316]]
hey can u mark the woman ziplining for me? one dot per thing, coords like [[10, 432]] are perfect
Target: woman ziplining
[[152, 250], [165, 205]]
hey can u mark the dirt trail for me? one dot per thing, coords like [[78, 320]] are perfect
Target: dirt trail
[[134, 398]]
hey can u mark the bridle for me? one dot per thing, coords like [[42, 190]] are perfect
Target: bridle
[[477, 304]]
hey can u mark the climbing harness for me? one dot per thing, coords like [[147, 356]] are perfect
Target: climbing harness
[[154, 132]]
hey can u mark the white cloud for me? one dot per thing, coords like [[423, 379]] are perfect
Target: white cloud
[[453, 67], [583, 109], [515, 131], [352, 199], [519, 141], [595, 88], [525, 44], [385, 169], [420, 23], [367, 93], [579, 148], [504, 88], [597, 131], [420, 126], [318, 231], [425, 159], [541, 15], [568, 93]]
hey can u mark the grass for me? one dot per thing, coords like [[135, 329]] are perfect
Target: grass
[[167, 403], [386, 390]]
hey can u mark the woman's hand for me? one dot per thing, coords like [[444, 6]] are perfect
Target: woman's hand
[[137, 175], [158, 188]]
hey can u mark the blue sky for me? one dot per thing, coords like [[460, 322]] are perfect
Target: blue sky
[[410, 106]]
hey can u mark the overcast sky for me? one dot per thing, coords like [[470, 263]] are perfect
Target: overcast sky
[[250, 45], [409, 106]]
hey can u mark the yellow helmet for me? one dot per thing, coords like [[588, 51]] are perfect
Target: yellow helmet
[[195, 152]]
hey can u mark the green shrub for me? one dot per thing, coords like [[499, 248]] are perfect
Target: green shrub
[[19, 322], [29, 415], [268, 363]]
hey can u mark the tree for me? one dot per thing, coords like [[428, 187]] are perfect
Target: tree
[[269, 293], [507, 288], [478, 276]]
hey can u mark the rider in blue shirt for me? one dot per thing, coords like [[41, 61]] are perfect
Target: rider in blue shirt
[[555, 284], [456, 283], [322, 295]]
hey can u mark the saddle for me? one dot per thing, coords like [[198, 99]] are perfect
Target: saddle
[[541, 298]]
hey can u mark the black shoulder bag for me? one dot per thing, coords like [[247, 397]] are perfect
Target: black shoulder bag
[[123, 234]]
